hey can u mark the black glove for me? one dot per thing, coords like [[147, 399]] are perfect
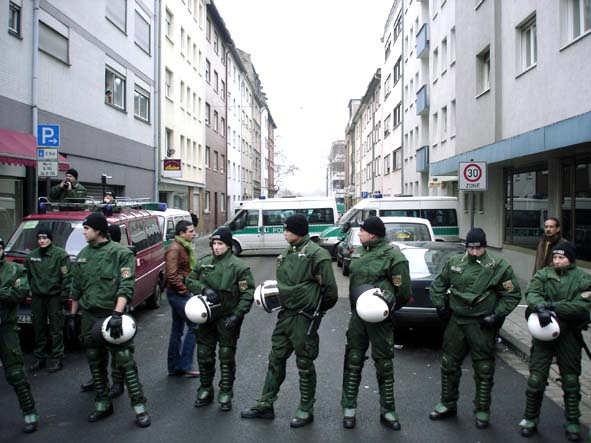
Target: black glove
[[443, 313], [115, 325], [543, 315], [71, 326], [231, 321], [490, 321], [211, 296]]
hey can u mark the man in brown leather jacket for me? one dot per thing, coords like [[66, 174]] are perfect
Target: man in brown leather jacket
[[180, 259], [552, 237]]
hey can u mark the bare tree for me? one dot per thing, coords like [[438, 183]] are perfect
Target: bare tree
[[283, 170]]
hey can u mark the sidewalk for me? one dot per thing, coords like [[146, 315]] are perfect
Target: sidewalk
[[515, 332]]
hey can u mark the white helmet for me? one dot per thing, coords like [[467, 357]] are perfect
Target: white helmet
[[266, 295], [199, 310], [128, 326], [548, 333], [371, 306]]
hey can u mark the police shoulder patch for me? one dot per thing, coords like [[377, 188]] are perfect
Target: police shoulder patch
[[243, 285], [64, 270], [508, 285], [397, 280], [125, 272], [586, 294], [457, 269]]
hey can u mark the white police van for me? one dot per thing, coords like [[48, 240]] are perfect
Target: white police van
[[258, 224]]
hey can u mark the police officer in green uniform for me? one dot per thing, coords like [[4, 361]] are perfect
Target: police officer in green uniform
[[103, 279], [48, 271], [562, 291], [378, 264], [69, 188], [306, 286], [230, 283], [13, 290], [474, 292]]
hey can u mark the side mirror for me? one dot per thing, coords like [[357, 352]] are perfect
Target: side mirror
[[133, 249], [346, 227]]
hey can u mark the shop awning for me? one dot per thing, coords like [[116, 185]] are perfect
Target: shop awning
[[20, 149]]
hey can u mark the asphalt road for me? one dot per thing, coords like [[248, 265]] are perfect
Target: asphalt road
[[64, 410]]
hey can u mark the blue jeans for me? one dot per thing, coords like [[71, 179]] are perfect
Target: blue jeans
[[180, 351]]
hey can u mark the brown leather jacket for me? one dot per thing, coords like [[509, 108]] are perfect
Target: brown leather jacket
[[177, 267]]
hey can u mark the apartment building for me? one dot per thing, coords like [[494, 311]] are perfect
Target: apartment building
[[182, 101], [352, 141], [335, 172], [235, 74]]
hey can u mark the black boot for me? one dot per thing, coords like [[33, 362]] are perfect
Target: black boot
[[258, 412], [143, 420], [37, 364], [117, 389], [87, 386], [54, 365], [349, 422], [95, 416]]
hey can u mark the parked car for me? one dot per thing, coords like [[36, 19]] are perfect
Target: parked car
[[168, 219], [139, 231], [425, 260]]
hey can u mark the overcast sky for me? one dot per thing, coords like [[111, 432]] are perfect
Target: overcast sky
[[312, 57]]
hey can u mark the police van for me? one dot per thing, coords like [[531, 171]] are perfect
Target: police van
[[440, 211], [258, 224], [168, 220]]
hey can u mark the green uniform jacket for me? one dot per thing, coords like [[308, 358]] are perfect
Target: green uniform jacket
[[14, 287], [48, 270], [378, 263], [304, 273], [229, 277], [102, 273], [568, 288], [57, 193], [475, 287]]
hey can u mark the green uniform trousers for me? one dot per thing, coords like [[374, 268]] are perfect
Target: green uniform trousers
[[459, 340], [289, 335], [14, 367], [46, 310], [567, 350], [359, 335], [208, 337], [98, 360]]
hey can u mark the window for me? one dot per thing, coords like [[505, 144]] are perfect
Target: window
[[527, 50], [397, 71], [189, 54], [435, 128], [397, 27], [195, 59], [215, 160], [387, 164], [578, 18], [207, 202], [207, 156], [435, 63], [222, 163], [168, 140], [398, 114], [443, 55], [444, 123], [452, 45], [483, 71], [388, 48], [141, 104], [216, 42], [223, 202], [182, 94], [142, 32], [139, 238], [387, 126], [116, 13], [215, 121], [397, 159], [207, 71], [223, 56], [387, 87], [216, 80], [189, 101], [14, 19], [168, 83], [208, 30], [53, 42], [169, 24], [207, 113], [223, 132], [223, 91], [182, 41], [114, 88], [452, 119]]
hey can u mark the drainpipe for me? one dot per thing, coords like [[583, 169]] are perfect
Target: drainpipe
[[156, 93], [402, 101], [35, 89]]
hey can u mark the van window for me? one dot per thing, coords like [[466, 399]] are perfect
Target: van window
[[318, 216], [400, 213], [245, 218], [170, 229], [273, 217], [368, 213], [124, 240], [407, 232], [441, 217], [139, 238], [153, 231], [67, 234]]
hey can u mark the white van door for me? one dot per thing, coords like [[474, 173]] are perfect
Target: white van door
[[246, 229], [273, 221]]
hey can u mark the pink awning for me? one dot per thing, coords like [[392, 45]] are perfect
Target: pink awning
[[20, 149]]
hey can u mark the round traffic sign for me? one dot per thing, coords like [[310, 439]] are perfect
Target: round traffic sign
[[472, 172]]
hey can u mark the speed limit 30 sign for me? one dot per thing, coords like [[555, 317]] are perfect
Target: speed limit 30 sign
[[472, 176]]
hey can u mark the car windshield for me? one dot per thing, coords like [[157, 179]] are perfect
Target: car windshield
[[354, 237], [67, 234], [424, 262], [407, 232]]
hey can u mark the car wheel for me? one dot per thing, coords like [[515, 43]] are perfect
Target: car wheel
[[153, 302], [236, 249], [345, 268]]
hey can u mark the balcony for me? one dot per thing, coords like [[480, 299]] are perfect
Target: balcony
[[422, 101], [422, 159], [422, 42]]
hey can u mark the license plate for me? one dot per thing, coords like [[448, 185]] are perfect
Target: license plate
[[24, 318]]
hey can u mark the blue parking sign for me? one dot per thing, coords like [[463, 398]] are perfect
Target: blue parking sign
[[48, 136]]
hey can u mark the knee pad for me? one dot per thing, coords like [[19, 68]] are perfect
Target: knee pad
[[570, 383], [93, 355], [536, 382], [15, 376], [304, 364], [449, 365], [356, 357], [205, 353], [122, 357], [384, 365], [485, 368], [226, 354]]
